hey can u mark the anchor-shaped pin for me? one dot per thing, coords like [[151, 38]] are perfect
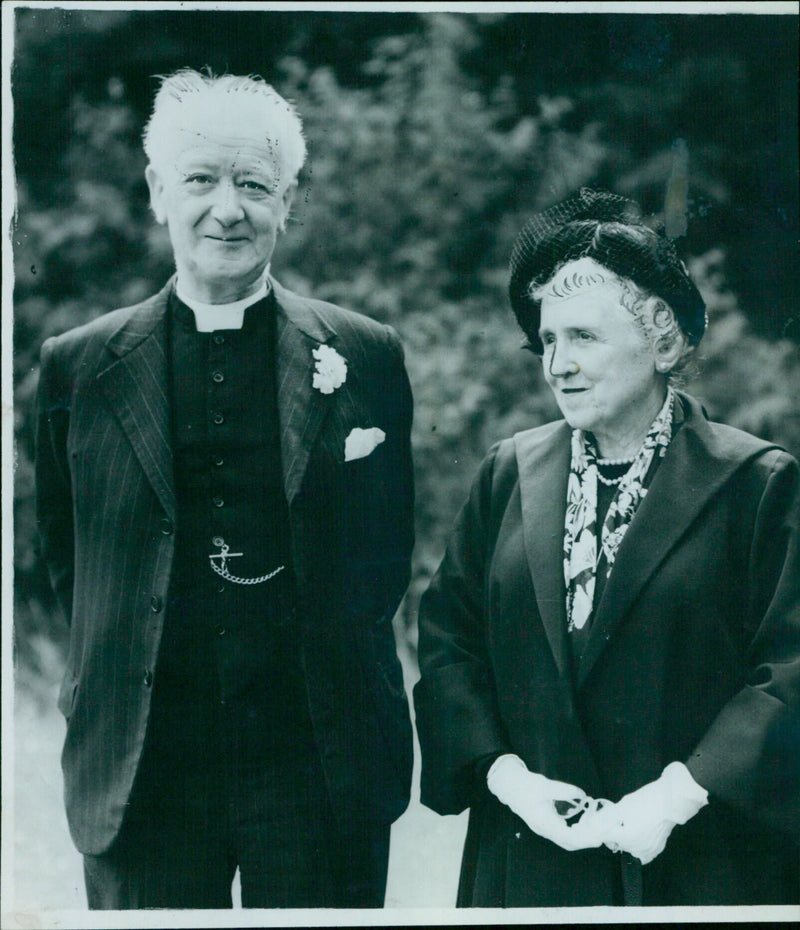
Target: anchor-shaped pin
[[224, 554], [222, 569]]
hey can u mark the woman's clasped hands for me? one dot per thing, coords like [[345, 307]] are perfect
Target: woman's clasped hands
[[639, 824]]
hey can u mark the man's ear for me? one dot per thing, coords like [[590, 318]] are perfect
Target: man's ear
[[287, 199], [156, 186]]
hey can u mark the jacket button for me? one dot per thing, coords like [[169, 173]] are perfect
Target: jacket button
[[220, 629], [148, 678], [166, 526], [218, 502], [156, 604], [217, 377], [218, 419]]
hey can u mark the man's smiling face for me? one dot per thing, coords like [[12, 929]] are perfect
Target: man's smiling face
[[221, 188]]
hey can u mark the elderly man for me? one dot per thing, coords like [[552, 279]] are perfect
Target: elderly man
[[225, 502]]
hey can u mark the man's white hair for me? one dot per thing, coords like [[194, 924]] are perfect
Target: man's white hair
[[184, 84]]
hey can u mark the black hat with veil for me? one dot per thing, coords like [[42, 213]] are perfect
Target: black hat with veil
[[609, 229]]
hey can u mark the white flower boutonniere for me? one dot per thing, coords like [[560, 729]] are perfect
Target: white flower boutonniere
[[331, 369]]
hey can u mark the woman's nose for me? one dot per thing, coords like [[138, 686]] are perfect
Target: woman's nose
[[561, 362], [227, 207]]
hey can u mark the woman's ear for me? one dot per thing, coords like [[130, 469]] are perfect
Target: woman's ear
[[668, 342], [669, 350]]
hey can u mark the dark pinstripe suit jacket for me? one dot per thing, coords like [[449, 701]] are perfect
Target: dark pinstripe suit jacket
[[106, 511]]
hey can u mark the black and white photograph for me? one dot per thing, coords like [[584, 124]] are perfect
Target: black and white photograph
[[401, 500]]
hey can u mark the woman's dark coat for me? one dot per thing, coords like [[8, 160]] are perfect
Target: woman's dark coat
[[694, 655]]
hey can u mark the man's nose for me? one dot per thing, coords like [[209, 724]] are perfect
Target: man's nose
[[227, 206]]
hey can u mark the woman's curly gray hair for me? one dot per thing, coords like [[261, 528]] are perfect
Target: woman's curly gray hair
[[654, 316]]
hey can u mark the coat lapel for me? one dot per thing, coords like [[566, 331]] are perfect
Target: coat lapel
[[697, 464], [543, 463], [136, 387], [301, 407]]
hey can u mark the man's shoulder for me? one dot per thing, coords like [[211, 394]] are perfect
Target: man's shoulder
[[343, 315], [100, 329], [344, 322]]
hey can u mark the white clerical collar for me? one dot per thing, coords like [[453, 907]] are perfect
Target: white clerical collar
[[210, 317]]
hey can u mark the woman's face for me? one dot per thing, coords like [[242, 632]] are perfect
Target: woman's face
[[600, 366]]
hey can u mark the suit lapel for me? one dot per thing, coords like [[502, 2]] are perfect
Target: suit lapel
[[136, 387], [543, 464], [301, 407], [697, 464]]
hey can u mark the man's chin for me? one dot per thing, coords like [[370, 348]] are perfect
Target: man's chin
[[229, 277]]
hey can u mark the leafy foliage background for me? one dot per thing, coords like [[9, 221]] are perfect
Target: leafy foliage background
[[432, 138]]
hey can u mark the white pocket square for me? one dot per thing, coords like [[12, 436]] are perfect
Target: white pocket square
[[361, 442]]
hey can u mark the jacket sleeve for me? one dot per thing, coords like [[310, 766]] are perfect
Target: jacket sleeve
[[750, 756], [380, 513], [458, 721], [398, 440], [53, 484]]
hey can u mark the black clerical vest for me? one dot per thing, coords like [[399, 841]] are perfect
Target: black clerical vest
[[229, 653]]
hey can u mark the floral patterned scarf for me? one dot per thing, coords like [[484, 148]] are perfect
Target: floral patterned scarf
[[581, 557]]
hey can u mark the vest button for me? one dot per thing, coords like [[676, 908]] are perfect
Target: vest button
[[219, 339], [218, 460], [218, 419], [218, 377], [220, 629], [218, 502], [156, 604]]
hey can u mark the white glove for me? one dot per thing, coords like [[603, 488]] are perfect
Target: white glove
[[640, 824], [532, 797]]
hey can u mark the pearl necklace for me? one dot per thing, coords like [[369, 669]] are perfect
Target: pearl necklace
[[609, 482], [613, 463]]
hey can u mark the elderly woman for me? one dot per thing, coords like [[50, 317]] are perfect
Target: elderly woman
[[610, 650]]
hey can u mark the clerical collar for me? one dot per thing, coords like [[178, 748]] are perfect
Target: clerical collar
[[210, 317]]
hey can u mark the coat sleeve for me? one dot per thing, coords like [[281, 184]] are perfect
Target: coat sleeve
[[458, 721], [750, 756], [53, 484]]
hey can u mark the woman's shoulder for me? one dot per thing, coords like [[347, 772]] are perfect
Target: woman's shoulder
[[546, 435], [510, 458], [728, 443], [723, 456], [505, 453]]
